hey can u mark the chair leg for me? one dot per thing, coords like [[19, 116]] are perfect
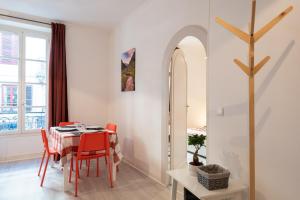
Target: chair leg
[[79, 168], [42, 163], [45, 169], [78, 174], [80, 164], [76, 178], [97, 167], [88, 167], [71, 169], [105, 160]]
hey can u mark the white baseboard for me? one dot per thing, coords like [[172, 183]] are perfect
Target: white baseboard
[[179, 193], [143, 172], [21, 157]]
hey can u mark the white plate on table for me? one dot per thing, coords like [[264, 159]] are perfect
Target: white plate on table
[[71, 126], [66, 129], [90, 131]]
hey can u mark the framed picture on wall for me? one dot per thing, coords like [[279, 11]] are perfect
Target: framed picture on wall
[[128, 70]]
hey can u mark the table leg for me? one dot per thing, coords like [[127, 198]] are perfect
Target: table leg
[[174, 189], [114, 168], [114, 172], [55, 164], [66, 173], [52, 164]]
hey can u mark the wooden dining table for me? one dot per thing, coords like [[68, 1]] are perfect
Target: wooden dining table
[[67, 142]]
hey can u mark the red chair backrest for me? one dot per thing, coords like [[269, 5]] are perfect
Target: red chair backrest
[[111, 127], [90, 142], [66, 123], [45, 140]]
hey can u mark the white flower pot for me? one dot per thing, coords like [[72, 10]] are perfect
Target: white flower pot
[[193, 169]]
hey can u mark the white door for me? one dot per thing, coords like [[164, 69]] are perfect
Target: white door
[[178, 110]]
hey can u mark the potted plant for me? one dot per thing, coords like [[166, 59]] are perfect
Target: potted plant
[[197, 141]]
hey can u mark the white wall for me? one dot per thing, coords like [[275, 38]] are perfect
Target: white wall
[[87, 64], [150, 28], [18, 147], [277, 98], [195, 56], [139, 114]]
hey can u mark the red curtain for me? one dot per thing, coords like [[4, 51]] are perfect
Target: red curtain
[[58, 97]]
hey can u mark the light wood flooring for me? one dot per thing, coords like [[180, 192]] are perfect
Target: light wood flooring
[[19, 180]]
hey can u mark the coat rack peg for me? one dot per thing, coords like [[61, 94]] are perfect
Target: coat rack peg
[[251, 71], [239, 33], [261, 64], [242, 66], [271, 24]]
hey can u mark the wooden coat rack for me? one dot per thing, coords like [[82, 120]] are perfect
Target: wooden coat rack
[[251, 71]]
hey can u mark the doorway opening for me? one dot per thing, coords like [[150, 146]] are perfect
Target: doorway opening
[[187, 101]]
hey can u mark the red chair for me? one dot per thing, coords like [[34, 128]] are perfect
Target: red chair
[[49, 152], [111, 127], [66, 123], [92, 146]]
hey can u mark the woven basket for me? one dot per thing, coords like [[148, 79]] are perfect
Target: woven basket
[[213, 177]]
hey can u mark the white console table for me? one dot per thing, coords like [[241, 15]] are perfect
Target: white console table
[[234, 191]]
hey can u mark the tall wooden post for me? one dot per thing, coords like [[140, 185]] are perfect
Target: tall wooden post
[[251, 70], [251, 106]]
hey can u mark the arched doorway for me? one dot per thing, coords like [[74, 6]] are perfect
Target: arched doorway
[[179, 43]]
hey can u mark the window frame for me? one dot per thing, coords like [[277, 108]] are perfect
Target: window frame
[[21, 105]]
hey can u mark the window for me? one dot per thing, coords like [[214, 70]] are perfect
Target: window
[[23, 80]]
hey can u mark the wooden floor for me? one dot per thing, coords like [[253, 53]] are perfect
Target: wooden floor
[[19, 180]]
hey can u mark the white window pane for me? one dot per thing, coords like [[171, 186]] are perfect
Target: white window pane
[[8, 118], [35, 95], [35, 118], [35, 72], [8, 94], [9, 45], [35, 48], [9, 69]]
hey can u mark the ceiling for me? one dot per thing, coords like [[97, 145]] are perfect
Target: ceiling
[[101, 13]]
